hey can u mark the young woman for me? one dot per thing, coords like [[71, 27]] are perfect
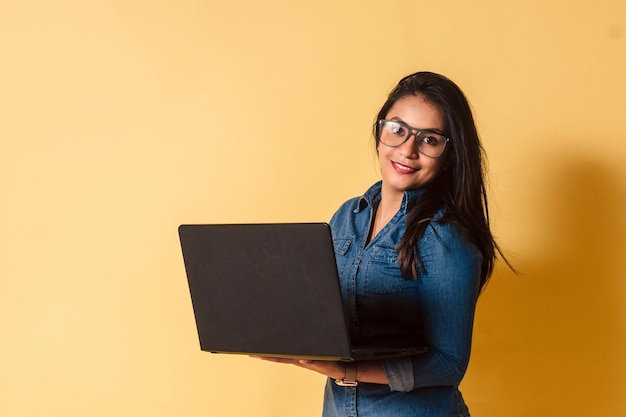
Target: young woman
[[413, 254]]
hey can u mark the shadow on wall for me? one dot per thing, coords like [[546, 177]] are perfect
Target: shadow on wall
[[555, 337]]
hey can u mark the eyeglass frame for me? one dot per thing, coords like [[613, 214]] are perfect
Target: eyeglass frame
[[413, 131]]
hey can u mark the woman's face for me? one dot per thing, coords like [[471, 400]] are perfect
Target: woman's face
[[403, 167]]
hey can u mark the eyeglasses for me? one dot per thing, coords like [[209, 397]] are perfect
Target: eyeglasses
[[394, 133]]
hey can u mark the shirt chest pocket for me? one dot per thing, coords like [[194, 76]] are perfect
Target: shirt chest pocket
[[342, 245], [382, 273]]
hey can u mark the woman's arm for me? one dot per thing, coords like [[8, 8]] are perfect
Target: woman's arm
[[447, 300]]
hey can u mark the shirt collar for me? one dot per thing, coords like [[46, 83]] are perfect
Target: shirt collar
[[371, 198]]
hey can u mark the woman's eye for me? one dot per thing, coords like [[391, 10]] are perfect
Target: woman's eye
[[430, 140], [397, 129]]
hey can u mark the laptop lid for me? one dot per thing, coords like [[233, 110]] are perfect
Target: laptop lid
[[266, 289]]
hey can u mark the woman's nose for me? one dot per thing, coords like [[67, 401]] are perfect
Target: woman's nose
[[409, 147]]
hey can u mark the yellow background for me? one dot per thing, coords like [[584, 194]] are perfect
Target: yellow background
[[121, 119]]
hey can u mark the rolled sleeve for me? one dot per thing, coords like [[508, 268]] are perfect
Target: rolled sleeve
[[399, 372]]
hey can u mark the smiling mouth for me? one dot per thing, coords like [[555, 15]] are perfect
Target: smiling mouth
[[403, 168]]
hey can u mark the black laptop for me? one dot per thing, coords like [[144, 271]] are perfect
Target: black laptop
[[270, 290]]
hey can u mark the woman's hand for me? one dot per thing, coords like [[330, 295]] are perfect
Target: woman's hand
[[367, 371], [336, 370]]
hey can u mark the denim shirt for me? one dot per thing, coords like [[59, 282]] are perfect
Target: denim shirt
[[436, 310]]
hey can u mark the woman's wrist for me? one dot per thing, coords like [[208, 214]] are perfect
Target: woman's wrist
[[350, 375]]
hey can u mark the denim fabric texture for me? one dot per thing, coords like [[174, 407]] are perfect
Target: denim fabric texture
[[436, 310]]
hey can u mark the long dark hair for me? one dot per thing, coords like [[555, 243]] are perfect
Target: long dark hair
[[459, 189]]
